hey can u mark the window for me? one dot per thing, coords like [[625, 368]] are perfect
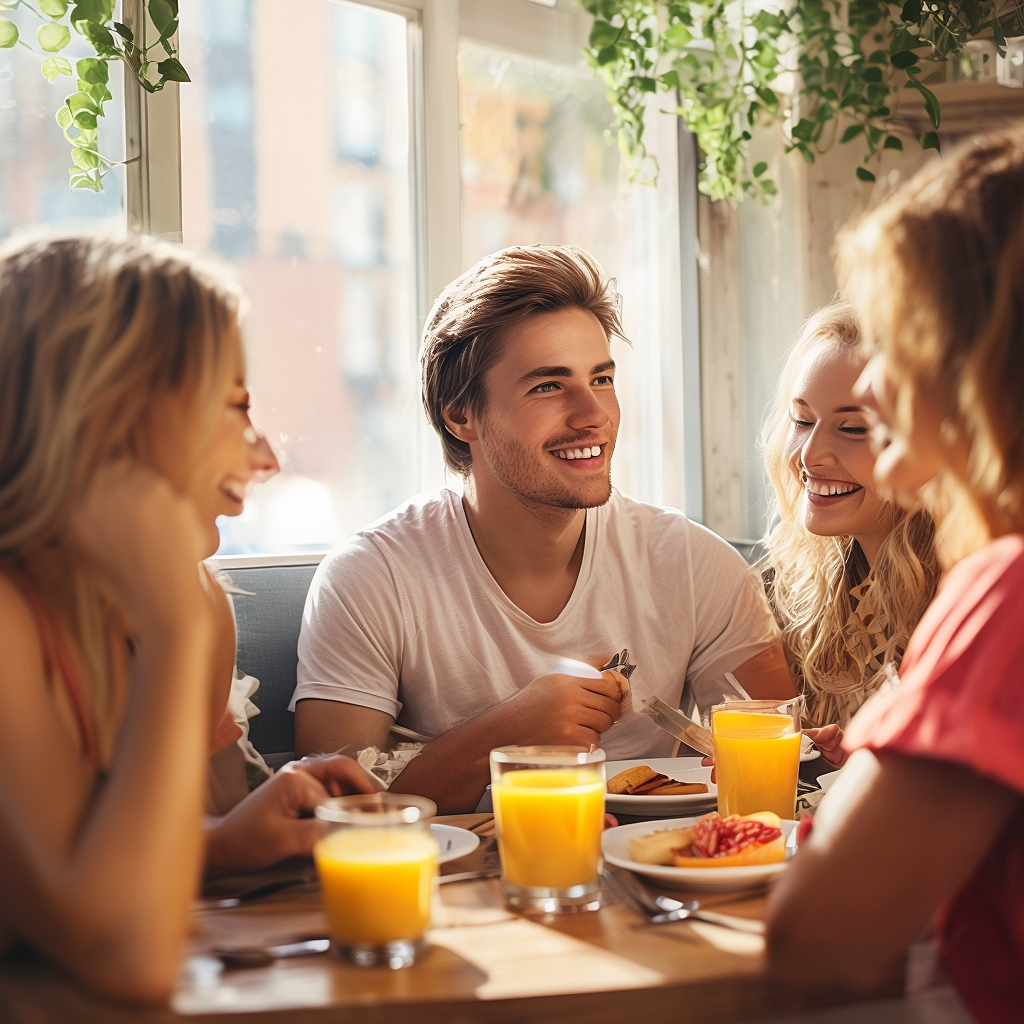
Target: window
[[34, 156], [296, 169]]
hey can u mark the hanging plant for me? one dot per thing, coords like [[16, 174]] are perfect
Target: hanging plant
[[722, 61], [154, 66]]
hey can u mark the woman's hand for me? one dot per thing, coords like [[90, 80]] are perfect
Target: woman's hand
[[273, 823], [144, 540], [829, 740]]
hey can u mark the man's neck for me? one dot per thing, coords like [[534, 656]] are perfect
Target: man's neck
[[533, 551]]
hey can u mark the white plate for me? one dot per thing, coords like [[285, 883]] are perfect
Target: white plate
[[615, 849], [808, 751], [682, 769], [454, 842]]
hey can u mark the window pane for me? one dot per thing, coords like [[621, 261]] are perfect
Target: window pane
[[536, 166], [295, 169], [34, 156]]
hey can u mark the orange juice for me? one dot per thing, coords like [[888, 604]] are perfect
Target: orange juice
[[757, 757], [549, 825], [377, 883]]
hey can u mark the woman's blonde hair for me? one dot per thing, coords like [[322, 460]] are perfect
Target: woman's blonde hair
[[809, 578], [92, 327], [937, 276]]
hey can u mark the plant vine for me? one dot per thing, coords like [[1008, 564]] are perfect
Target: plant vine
[[722, 61], [111, 41]]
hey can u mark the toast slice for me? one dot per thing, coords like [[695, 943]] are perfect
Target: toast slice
[[631, 778]]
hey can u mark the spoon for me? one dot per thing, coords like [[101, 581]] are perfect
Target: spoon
[[243, 957]]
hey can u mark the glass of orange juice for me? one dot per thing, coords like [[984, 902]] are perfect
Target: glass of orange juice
[[549, 812], [377, 863], [757, 755]]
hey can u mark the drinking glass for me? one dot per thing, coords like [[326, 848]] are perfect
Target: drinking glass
[[549, 812], [377, 863], [757, 755]]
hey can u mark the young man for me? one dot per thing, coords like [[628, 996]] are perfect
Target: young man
[[450, 614]]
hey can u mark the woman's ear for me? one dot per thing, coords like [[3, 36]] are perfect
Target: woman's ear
[[459, 423]]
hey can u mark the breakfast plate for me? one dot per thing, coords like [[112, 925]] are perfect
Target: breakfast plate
[[683, 769], [454, 842], [808, 751], [615, 850]]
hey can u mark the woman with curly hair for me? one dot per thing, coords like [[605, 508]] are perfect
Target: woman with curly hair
[[926, 821], [847, 572]]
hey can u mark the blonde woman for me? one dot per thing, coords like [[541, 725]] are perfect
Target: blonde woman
[[928, 816], [847, 572], [124, 433]]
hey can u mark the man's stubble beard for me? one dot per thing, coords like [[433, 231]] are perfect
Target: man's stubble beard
[[514, 466]]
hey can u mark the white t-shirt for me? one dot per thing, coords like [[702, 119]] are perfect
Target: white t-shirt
[[406, 618]]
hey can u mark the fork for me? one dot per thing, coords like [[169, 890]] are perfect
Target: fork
[[664, 910]]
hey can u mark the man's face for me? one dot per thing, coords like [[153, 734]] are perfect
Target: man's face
[[550, 416]]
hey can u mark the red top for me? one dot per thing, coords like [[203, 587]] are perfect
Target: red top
[[961, 699]]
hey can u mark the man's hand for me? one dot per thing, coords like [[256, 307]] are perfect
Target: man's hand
[[273, 821], [566, 709]]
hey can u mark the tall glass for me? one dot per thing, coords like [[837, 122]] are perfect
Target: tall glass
[[757, 755], [377, 863], [549, 811]]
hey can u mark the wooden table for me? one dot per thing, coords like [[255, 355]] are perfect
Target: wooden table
[[483, 964]]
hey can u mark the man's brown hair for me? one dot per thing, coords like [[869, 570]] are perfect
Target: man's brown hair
[[463, 335]]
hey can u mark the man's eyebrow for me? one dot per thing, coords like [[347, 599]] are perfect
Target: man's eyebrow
[[563, 371]]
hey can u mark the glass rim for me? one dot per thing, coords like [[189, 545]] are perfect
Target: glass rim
[[789, 706], [376, 809], [548, 755]]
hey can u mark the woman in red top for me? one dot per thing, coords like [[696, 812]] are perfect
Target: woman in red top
[[927, 820], [124, 433]]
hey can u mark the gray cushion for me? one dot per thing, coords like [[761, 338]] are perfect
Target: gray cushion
[[268, 637]]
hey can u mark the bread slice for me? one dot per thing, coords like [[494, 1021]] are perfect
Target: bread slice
[[650, 785], [631, 778], [673, 788], [661, 847]]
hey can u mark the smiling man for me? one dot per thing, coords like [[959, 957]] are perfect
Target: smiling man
[[451, 613]]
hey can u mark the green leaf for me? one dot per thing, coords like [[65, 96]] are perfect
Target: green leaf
[[768, 97], [930, 102], [911, 13], [81, 101], [93, 71], [803, 130], [864, 174], [677, 36], [8, 34], [65, 118], [903, 60], [852, 132], [892, 142], [54, 8], [99, 36], [53, 37], [671, 80], [930, 140], [607, 55], [643, 84], [171, 70], [85, 119], [872, 74], [602, 34], [163, 15], [124, 32], [54, 66], [97, 11], [759, 168], [84, 158]]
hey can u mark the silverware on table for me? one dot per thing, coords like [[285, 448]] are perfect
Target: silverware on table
[[665, 910], [243, 957], [466, 876], [258, 892]]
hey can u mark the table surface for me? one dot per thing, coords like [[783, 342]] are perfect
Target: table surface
[[482, 963]]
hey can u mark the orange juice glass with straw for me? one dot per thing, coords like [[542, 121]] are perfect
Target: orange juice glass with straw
[[757, 755], [549, 812], [377, 863]]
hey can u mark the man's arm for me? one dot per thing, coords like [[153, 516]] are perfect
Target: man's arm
[[452, 770], [326, 726], [766, 676]]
